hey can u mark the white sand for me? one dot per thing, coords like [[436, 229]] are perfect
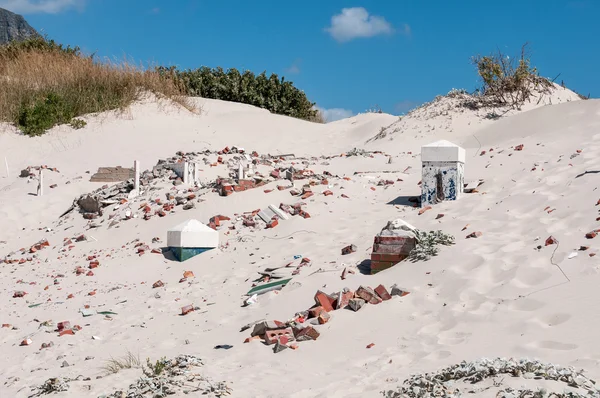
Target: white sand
[[492, 296]]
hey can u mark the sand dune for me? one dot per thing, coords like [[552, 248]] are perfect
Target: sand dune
[[498, 295]]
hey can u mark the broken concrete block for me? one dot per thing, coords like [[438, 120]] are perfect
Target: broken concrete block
[[279, 346], [272, 211], [396, 291], [261, 327], [356, 304], [349, 249], [89, 204]]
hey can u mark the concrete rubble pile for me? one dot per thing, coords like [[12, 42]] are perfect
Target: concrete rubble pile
[[33, 171], [301, 327]]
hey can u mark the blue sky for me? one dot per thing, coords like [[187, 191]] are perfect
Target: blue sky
[[348, 56]]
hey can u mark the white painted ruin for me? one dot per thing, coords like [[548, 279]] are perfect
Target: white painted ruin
[[443, 168], [192, 234]]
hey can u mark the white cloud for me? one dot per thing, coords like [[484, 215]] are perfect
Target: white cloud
[[40, 6], [333, 114], [356, 22]]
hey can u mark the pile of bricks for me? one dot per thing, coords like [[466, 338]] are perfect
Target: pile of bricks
[[226, 187], [295, 209], [392, 245], [283, 335]]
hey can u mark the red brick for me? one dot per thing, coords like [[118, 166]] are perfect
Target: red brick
[[393, 258], [303, 214], [306, 333], [591, 235], [239, 188], [157, 284], [394, 249], [323, 318], [187, 309], [382, 292], [271, 336], [368, 294], [273, 223], [63, 325], [315, 312], [307, 195], [66, 332], [325, 301], [327, 193], [393, 240]]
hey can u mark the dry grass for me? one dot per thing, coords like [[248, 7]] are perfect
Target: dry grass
[[42, 88], [115, 365]]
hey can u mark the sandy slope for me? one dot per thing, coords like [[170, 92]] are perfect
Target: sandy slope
[[493, 296]]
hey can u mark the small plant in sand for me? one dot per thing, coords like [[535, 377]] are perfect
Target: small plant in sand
[[155, 369], [427, 244], [508, 81], [78, 123], [115, 365]]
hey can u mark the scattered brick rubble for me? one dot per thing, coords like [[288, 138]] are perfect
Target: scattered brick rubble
[[283, 335]]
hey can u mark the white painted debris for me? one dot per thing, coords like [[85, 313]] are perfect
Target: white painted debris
[[96, 338], [443, 172], [572, 255], [251, 300], [193, 234], [271, 211]]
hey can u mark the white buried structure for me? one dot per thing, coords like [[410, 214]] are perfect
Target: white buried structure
[[191, 238], [188, 171], [443, 165]]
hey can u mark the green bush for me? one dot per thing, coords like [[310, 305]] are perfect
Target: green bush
[[509, 80], [272, 93], [44, 113], [43, 84]]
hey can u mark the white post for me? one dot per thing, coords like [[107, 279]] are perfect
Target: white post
[[240, 171], [186, 173], [7, 171], [136, 184], [40, 190]]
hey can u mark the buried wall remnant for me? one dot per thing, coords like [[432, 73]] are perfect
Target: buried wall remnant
[[113, 174], [392, 245], [443, 168]]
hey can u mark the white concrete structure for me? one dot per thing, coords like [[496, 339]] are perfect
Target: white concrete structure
[[267, 214], [189, 172], [443, 170], [192, 234]]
